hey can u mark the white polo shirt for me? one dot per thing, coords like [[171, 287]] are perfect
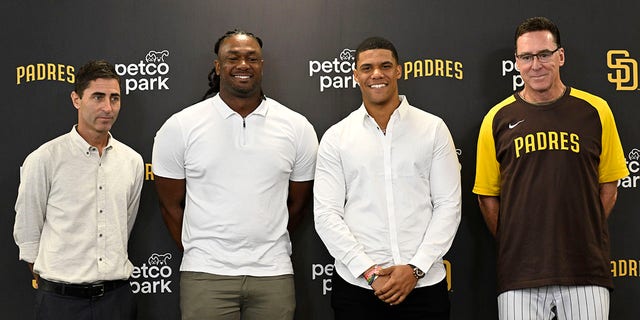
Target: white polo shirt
[[237, 175]]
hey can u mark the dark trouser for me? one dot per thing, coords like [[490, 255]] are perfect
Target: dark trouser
[[116, 304], [353, 302]]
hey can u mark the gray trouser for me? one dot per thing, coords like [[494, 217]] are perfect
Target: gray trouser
[[209, 296]]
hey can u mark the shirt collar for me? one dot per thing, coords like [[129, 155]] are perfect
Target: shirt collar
[[226, 111], [399, 112], [79, 141]]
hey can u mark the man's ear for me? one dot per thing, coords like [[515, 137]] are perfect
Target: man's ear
[[75, 99]]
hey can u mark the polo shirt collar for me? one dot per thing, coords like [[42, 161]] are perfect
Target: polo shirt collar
[[226, 111]]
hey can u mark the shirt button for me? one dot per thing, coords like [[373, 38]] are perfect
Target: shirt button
[[100, 211], [100, 235]]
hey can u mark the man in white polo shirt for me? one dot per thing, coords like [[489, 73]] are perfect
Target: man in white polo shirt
[[231, 173]]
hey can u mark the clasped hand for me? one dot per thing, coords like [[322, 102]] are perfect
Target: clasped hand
[[394, 284]]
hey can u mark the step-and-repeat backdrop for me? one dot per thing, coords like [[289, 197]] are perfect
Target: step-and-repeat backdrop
[[457, 58]]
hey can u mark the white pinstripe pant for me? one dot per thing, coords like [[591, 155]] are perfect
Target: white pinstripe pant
[[563, 302]]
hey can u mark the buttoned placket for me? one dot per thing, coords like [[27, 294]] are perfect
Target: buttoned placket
[[385, 139], [101, 202]]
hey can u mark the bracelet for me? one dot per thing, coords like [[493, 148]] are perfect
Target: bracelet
[[372, 279], [372, 274]]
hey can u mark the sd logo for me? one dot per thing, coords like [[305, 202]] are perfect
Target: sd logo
[[625, 74]]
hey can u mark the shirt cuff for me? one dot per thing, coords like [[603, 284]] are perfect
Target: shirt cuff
[[359, 265], [29, 251]]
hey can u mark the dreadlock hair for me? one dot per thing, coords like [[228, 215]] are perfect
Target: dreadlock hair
[[214, 79]]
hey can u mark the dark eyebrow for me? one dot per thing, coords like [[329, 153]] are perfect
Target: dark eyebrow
[[383, 63], [102, 94], [242, 51]]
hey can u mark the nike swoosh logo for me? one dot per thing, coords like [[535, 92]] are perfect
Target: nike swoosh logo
[[511, 126]]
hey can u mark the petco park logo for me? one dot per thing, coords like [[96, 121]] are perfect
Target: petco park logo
[[633, 164], [336, 73], [148, 74], [625, 70], [509, 68], [153, 276]]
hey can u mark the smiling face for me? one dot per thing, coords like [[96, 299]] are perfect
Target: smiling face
[[377, 73], [98, 106], [239, 66], [540, 78]]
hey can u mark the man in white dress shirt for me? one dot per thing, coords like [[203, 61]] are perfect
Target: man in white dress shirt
[[77, 202], [387, 199]]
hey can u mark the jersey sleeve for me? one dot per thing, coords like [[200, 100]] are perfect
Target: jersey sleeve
[[612, 162], [487, 167]]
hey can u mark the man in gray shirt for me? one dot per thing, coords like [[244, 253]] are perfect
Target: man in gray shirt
[[77, 202]]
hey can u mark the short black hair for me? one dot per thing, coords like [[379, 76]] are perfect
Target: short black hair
[[92, 70], [537, 24], [376, 43]]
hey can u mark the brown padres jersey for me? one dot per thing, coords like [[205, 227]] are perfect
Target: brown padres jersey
[[546, 164]]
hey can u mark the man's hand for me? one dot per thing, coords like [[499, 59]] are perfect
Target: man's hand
[[34, 281], [379, 283], [400, 281]]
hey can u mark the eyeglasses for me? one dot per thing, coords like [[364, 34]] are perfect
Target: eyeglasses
[[543, 56]]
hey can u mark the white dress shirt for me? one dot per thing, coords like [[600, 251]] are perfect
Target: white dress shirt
[[388, 199], [75, 209]]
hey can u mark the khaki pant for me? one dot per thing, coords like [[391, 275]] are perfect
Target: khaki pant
[[216, 297]]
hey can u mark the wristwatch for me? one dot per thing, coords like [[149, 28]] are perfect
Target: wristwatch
[[419, 274]]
